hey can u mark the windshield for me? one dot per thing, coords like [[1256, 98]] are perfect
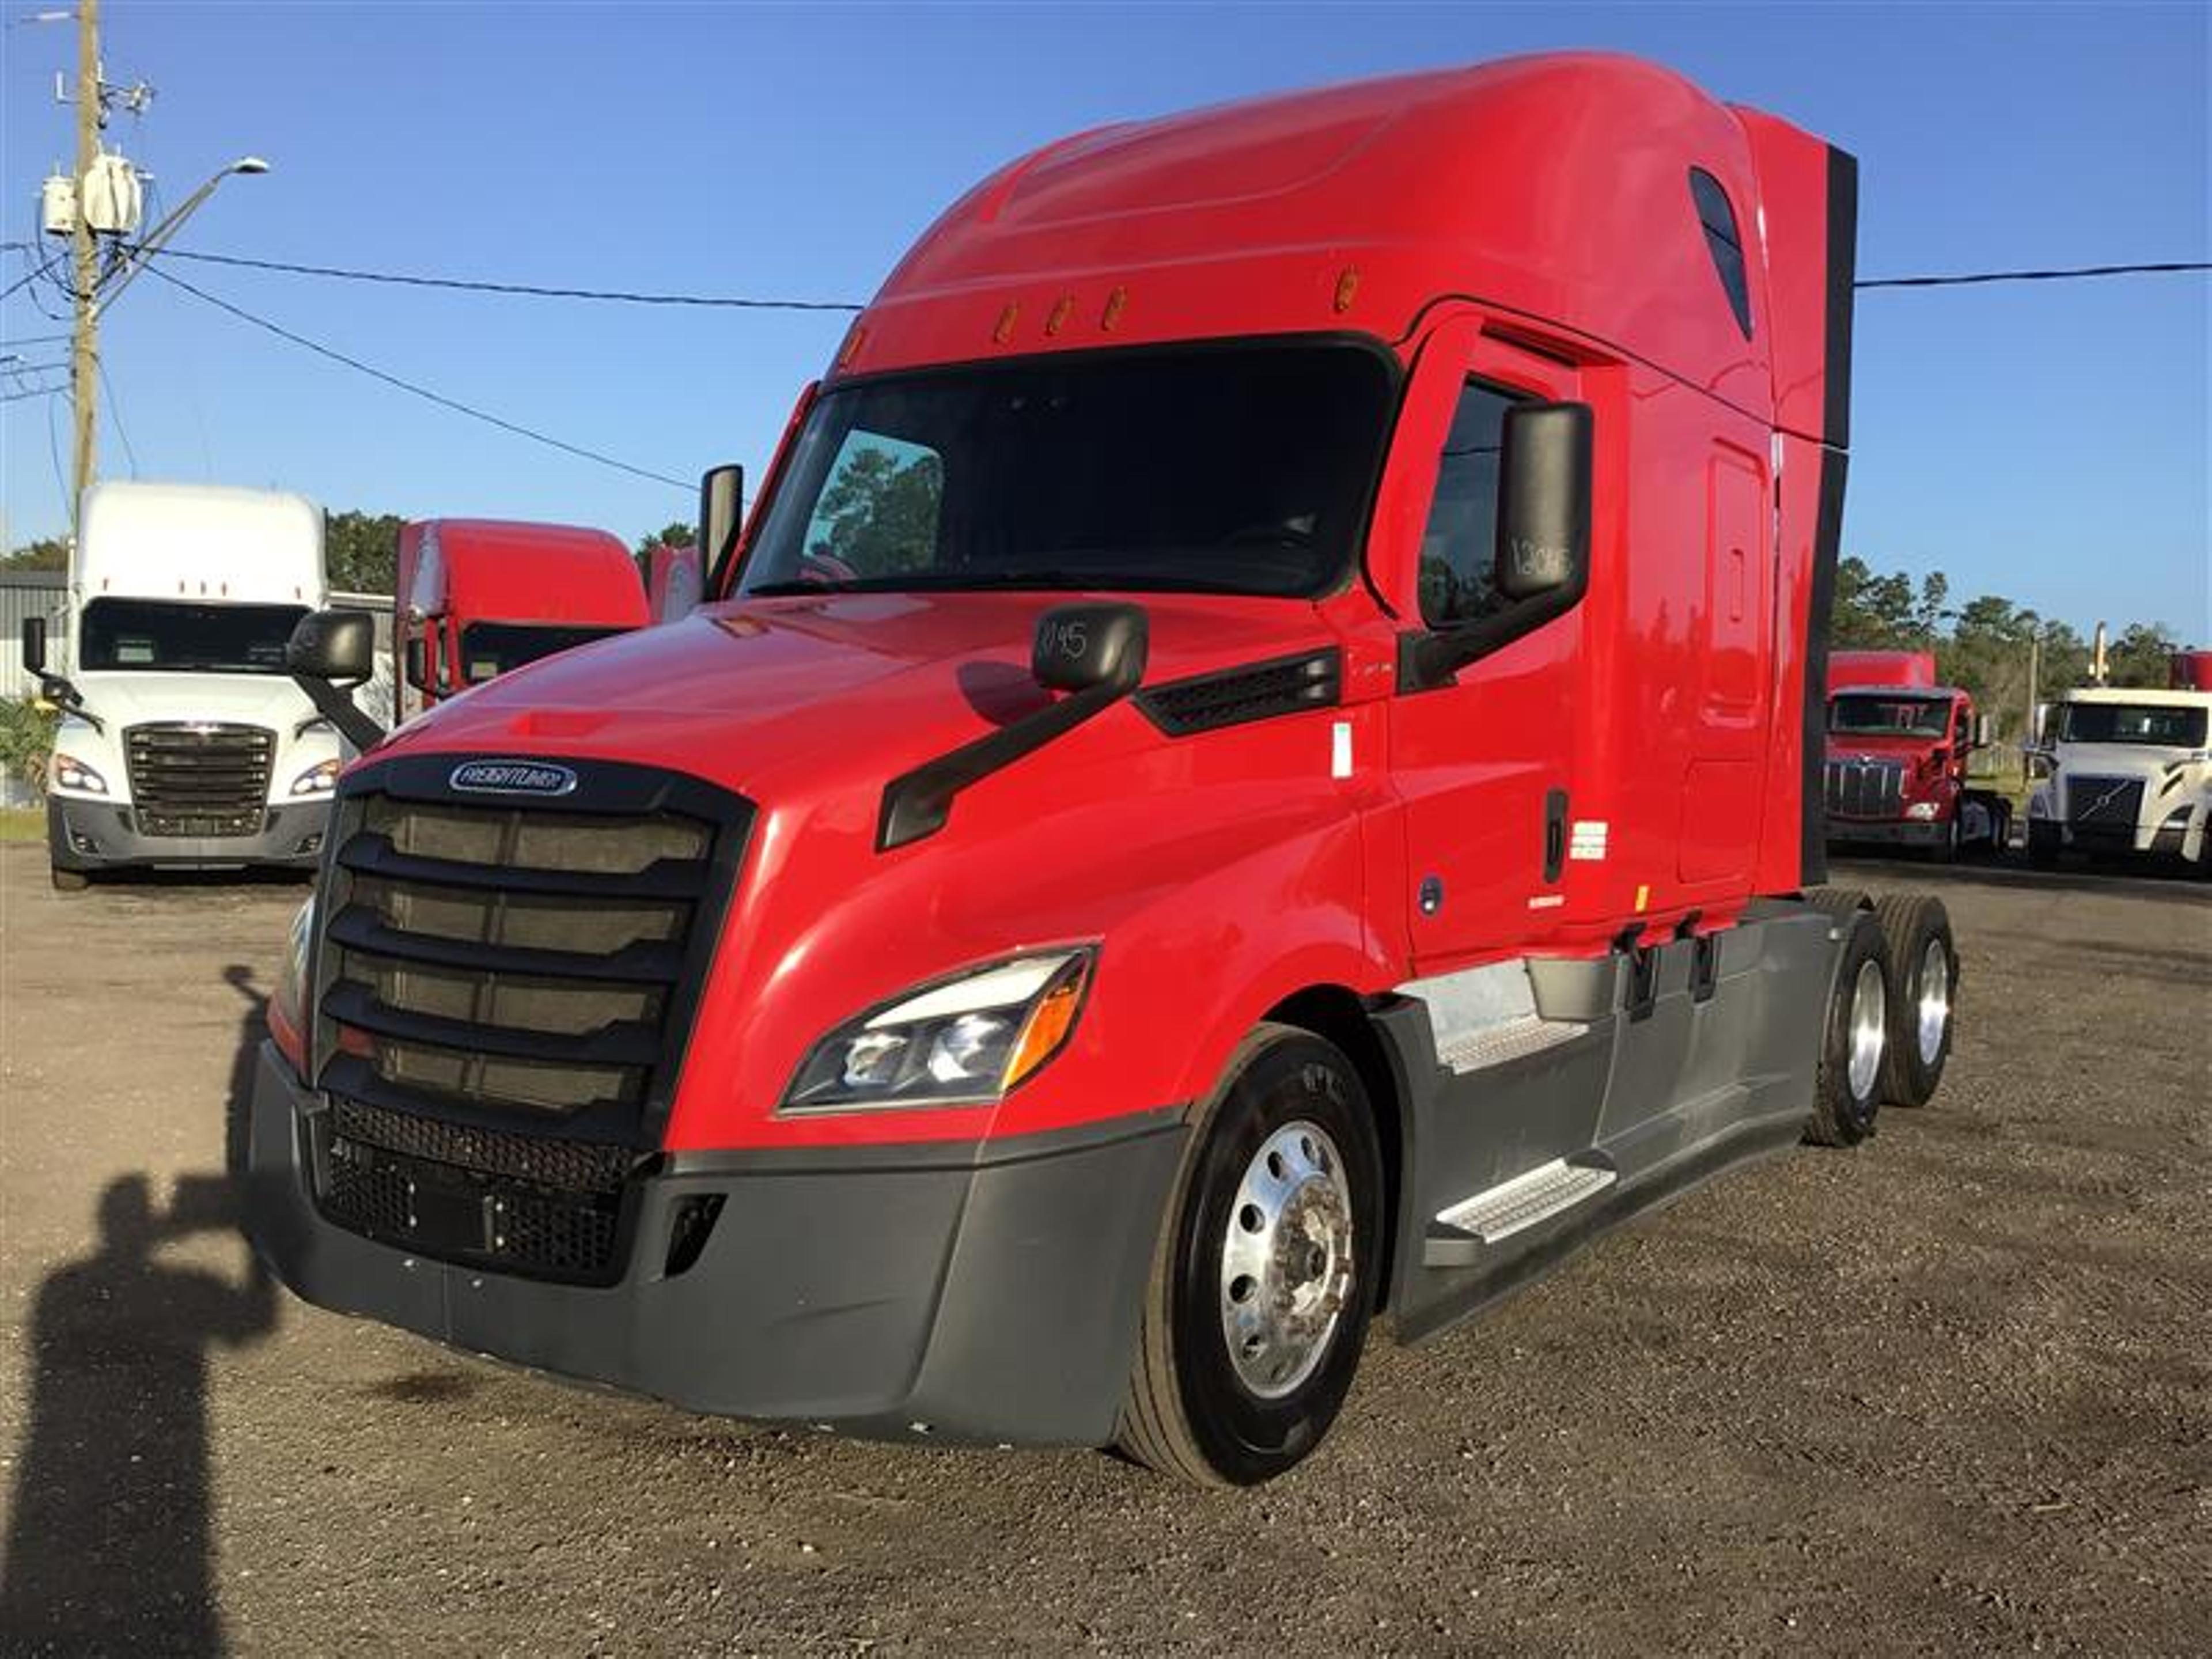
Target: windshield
[[201, 639], [1243, 469], [1896, 717], [489, 649], [2171, 725]]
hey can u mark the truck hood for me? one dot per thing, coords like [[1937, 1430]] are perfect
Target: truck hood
[[775, 695], [132, 698]]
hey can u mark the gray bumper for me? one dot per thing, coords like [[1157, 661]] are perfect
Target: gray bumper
[[83, 834], [990, 1292], [1890, 832]]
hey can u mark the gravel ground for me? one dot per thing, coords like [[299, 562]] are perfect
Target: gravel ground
[[1950, 1393]]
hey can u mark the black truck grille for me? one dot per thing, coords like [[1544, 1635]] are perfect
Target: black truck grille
[[198, 779], [504, 993], [1865, 789], [2109, 804]]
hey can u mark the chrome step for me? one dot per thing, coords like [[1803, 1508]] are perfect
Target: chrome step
[[1511, 1039], [1459, 1234]]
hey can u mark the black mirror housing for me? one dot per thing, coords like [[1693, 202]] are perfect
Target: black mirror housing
[[1081, 647], [34, 645], [1543, 501], [332, 645], [418, 663]]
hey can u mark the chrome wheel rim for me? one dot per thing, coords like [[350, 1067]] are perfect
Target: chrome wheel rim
[[1934, 1000], [1869, 1007], [1286, 1262]]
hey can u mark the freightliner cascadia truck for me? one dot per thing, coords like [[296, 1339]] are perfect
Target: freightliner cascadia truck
[[478, 597], [1897, 744], [1257, 762], [183, 741]]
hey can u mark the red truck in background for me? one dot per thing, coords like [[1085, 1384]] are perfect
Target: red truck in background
[[1897, 749], [2191, 670], [1257, 762], [478, 597]]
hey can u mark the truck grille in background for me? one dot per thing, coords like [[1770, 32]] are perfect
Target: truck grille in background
[[504, 993], [1866, 789], [2110, 805], [199, 780]]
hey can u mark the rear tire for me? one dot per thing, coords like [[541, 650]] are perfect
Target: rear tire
[[1266, 1271], [67, 881], [2042, 844], [1847, 1084], [1923, 988]]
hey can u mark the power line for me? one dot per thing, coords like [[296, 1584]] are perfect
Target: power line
[[115, 414], [2063, 274], [531, 290], [423, 391], [626, 297], [39, 391], [31, 276]]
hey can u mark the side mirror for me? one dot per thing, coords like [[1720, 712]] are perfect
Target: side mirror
[[34, 645], [332, 645], [721, 515], [1543, 501], [1985, 731], [417, 672], [330, 653], [1084, 647]]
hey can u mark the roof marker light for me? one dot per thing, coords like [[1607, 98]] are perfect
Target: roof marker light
[[1347, 285], [1061, 307], [851, 349], [1116, 302], [1005, 330]]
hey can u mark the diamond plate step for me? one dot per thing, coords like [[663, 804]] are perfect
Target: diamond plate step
[[1460, 1234], [1511, 1039]]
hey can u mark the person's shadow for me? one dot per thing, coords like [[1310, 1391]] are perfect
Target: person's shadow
[[109, 1546]]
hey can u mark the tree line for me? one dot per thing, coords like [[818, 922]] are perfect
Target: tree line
[[1987, 645]]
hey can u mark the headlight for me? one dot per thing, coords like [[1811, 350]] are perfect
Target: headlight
[[1921, 810], [289, 1001], [963, 1043], [70, 772], [319, 780]]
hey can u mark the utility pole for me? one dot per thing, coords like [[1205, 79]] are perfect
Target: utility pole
[[84, 340]]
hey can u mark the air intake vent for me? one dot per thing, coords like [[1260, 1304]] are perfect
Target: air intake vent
[[1234, 697]]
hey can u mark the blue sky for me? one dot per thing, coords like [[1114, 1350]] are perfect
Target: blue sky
[[2048, 443]]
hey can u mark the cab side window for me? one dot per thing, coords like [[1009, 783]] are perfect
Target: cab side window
[[1459, 546]]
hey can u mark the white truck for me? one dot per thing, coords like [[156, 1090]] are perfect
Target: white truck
[[2122, 772], [183, 742]]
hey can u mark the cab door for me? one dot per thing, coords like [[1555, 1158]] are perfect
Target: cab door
[[1484, 761]]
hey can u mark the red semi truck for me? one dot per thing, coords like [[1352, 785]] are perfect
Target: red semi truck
[[1257, 762], [1897, 744], [478, 597]]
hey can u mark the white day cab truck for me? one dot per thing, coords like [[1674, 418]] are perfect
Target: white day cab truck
[[183, 741], [2124, 773]]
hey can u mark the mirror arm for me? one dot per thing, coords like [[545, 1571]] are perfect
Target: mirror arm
[[335, 703], [917, 803]]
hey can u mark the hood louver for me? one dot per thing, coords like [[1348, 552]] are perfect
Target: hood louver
[[1235, 697]]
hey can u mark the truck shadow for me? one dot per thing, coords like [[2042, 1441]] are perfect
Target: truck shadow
[[109, 1544]]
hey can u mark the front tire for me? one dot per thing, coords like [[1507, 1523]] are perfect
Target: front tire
[[67, 881], [1847, 1084], [1266, 1273], [2042, 844], [1923, 993]]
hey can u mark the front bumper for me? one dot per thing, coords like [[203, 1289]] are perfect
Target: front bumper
[[988, 1292], [89, 834], [1890, 832]]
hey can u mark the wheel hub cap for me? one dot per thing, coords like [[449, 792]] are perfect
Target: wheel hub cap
[[1868, 1008], [1286, 1261], [1934, 1000]]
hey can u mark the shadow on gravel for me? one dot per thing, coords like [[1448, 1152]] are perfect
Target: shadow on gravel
[[109, 1539], [2169, 878]]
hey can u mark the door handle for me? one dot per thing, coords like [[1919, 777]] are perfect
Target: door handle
[[1555, 833]]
